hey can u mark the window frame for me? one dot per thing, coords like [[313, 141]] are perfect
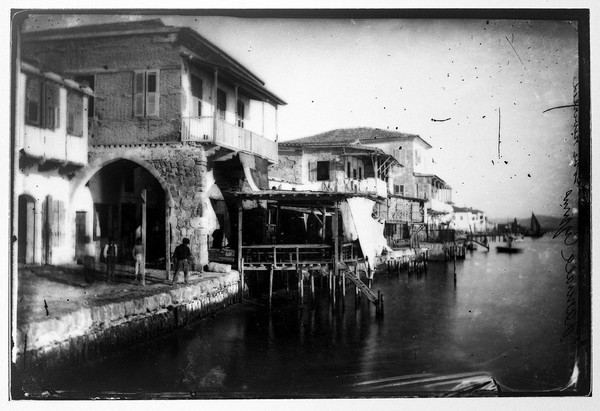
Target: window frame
[[47, 103], [71, 130], [221, 104], [240, 118], [146, 103], [196, 97], [322, 168]]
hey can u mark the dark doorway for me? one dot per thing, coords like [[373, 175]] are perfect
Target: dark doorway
[[81, 238], [117, 194], [26, 233]]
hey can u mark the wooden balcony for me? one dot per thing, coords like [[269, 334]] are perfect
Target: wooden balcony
[[202, 129], [54, 145]]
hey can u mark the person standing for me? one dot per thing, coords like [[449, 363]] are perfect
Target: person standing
[[138, 256], [110, 256], [181, 256]]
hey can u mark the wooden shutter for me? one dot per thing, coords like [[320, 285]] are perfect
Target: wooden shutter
[[312, 171], [152, 92], [32, 97], [138, 93], [50, 111]]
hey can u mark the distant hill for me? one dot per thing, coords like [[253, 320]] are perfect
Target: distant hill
[[547, 223]]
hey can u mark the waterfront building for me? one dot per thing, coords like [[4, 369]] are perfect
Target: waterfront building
[[469, 220], [50, 148], [176, 127], [417, 202], [361, 173]]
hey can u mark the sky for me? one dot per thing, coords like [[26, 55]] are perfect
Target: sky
[[483, 78]]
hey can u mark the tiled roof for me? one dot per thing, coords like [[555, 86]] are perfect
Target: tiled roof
[[348, 136], [466, 210], [103, 27]]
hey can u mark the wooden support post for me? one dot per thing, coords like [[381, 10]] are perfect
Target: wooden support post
[[241, 270], [336, 239], [323, 234], [287, 283], [301, 285], [299, 279], [143, 267], [312, 288], [215, 105], [333, 281], [240, 258], [270, 285], [343, 283]]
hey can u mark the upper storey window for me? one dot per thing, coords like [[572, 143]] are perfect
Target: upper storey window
[[74, 114], [221, 104], [41, 103], [196, 96], [240, 113], [146, 93]]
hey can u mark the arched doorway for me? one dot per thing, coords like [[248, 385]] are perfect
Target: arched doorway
[[26, 233], [128, 200]]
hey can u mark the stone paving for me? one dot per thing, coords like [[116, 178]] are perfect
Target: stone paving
[[56, 290]]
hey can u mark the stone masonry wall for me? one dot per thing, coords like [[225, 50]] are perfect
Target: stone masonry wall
[[184, 169], [92, 332]]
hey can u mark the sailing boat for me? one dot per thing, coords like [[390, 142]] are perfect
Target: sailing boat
[[536, 229]]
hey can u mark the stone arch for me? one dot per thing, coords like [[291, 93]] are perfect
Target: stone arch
[[101, 164], [95, 166]]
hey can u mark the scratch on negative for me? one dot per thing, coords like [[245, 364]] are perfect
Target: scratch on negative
[[446, 119], [513, 47]]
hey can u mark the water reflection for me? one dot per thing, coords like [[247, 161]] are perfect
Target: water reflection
[[501, 315]]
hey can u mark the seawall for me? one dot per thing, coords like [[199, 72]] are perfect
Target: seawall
[[89, 333]]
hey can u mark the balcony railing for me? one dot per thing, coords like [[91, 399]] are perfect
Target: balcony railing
[[227, 135], [371, 185]]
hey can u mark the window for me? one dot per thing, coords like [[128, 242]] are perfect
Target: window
[[221, 104], [240, 113], [146, 93], [322, 170], [196, 96], [399, 189], [41, 103], [88, 81], [417, 157], [74, 114]]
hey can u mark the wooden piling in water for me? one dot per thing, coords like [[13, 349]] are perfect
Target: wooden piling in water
[[270, 285], [312, 288]]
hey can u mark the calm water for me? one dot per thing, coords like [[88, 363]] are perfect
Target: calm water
[[504, 316]]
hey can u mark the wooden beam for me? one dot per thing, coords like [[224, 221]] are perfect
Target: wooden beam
[[143, 267]]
